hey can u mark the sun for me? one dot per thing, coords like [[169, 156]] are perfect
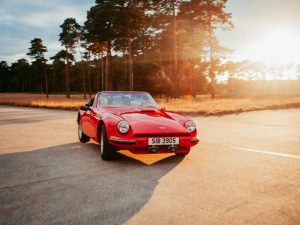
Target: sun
[[276, 47]]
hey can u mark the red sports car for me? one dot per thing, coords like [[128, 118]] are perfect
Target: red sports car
[[120, 120]]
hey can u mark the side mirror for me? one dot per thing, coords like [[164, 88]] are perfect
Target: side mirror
[[85, 108], [91, 102]]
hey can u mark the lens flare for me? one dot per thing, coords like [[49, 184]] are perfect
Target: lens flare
[[277, 47]]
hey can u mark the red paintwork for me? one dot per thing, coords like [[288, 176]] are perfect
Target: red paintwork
[[144, 123]]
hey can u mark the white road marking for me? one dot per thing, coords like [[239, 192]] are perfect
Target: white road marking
[[77, 146], [268, 152]]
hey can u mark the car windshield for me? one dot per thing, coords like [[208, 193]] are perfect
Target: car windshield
[[120, 99]]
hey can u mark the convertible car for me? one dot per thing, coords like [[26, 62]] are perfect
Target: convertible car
[[133, 121]]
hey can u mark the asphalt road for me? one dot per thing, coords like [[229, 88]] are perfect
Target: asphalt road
[[246, 170]]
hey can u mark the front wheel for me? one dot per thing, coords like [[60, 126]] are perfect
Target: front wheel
[[82, 136], [182, 154], [106, 150]]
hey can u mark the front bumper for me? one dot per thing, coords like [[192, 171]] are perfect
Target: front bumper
[[139, 145]]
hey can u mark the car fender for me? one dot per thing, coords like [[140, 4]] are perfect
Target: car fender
[[179, 118], [110, 122]]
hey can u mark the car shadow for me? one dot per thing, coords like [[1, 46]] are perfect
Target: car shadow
[[70, 184]]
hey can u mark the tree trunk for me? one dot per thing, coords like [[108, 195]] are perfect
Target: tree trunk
[[98, 72], [46, 82], [67, 79], [130, 66], [102, 72], [89, 78], [83, 79], [124, 68], [107, 68], [175, 57], [82, 70], [211, 59], [19, 77], [53, 81]]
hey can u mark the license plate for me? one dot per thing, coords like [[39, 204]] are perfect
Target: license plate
[[163, 141]]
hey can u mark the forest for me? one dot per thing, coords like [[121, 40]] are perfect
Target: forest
[[166, 47]]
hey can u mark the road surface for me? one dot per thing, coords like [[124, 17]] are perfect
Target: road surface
[[246, 170]]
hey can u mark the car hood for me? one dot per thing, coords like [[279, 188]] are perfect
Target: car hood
[[151, 121]]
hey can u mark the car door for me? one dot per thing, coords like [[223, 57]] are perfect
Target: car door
[[86, 119], [92, 119]]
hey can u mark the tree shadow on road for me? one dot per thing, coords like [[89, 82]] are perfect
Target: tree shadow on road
[[70, 184]]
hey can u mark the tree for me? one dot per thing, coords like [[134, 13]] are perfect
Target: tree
[[21, 71], [116, 23], [166, 21], [132, 18], [87, 56], [64, 57], [174, 38], [80, 43], [36, 52], [69, 37], [100, 28], [216, 17], [150, 74], [5, 82], [192, 30], [97, 49]]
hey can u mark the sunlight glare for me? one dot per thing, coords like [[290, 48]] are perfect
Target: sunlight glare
[[277, 47]]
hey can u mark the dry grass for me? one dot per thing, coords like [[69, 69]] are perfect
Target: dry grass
[[40, 101], [201, 105], [222, 106]]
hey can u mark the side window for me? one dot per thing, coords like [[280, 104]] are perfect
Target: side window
[[102, 101]]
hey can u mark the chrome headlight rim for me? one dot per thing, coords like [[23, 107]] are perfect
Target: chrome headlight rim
[[190, 125], [123, 127]]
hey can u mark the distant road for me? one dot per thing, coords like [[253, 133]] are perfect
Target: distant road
[[246, 170]]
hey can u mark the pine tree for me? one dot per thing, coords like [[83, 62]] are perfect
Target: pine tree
[[36, 52], [69, 37]]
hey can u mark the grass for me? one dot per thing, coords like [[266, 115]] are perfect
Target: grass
[[40, 101], [201, 105], [222, 106]]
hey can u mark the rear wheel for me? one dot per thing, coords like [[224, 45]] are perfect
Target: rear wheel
[[106, 150], [82, 136]]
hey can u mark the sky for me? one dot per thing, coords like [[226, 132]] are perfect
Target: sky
[[24, 20], [264, 29]]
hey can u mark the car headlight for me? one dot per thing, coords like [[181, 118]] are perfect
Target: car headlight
[[123, 126], [190, 125]]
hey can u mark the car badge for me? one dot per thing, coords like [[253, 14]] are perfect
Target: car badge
[[162, 128]]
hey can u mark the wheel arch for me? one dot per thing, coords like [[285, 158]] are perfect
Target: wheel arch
[[78, 117], [101, 122]]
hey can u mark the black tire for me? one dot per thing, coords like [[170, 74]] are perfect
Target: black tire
[[82, 136], [182, 154], [106, 150]]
